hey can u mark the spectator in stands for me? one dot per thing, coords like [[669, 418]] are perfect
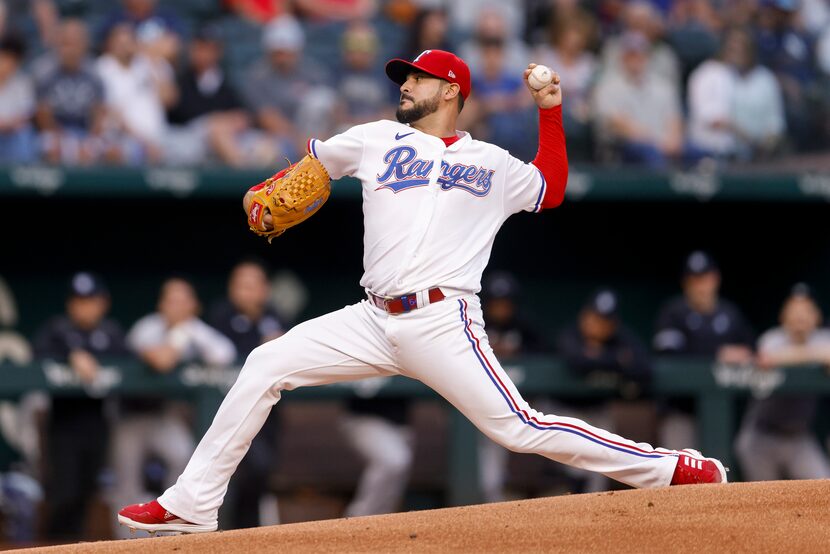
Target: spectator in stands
[[699, 324], [465, 16], [776, 440], [735, 105], [40, 16], [541, 16], [492, 27], [505, 110], [642, 17], [337, 10], [570, 37], [787, 50], [17, 105], [637, 111], [401, 12], [362, 87], [510, 336], [77, 429], [739, 13], [163, 340], [822, 57], [70, 100], [258, 11], [601, 350], [158, 30], [248, 320], [290, 99], [694, 29], [823, 52], [208, 120], [429, 31], [813, 16], [136, 92]]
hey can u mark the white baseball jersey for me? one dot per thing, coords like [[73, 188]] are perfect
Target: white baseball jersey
[[431, 212]]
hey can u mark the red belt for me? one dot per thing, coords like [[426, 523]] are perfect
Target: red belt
[[405, 303]]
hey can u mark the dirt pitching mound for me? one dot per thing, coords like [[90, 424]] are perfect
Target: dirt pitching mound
[[779, 516]]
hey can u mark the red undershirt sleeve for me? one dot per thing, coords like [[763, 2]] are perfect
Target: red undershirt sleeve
[[552, 156]]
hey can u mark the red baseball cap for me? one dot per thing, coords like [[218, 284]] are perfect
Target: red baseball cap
[[438, 63]]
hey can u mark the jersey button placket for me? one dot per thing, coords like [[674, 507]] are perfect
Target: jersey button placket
[[432, 204], [421, 224]]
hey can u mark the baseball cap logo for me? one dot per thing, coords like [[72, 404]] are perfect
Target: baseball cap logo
[[437, 63]]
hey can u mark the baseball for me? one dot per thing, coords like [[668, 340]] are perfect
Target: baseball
[[540, 77]]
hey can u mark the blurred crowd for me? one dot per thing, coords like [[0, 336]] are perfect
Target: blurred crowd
[[245, 82], [127, 448]]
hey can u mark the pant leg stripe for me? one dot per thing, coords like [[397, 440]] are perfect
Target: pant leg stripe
[[532, 421]]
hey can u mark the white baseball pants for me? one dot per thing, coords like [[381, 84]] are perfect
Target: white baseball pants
[[442, 345]]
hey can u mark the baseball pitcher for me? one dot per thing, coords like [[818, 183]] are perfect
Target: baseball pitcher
[[433, 200]]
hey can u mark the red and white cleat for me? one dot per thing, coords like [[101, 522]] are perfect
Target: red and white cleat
[[152, 517], [694, 469]]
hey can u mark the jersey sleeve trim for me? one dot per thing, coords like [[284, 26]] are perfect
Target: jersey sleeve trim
[[538, 207], [310, 147]]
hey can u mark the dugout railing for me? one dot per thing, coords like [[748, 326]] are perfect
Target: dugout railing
[[718, 389]]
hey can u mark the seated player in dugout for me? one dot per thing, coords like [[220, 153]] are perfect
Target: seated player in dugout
[[248, 319], [433, 201], [702, 324], [154, 424], [510, 335], [77, 432], [776, 440], [601, 350]]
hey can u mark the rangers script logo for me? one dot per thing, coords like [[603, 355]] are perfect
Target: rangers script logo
[[404, 170]]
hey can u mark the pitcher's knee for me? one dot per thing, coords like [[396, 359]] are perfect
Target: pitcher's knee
[[267, 360], [260, 355]]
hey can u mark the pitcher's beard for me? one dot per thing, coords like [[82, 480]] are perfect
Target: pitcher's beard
[[418, 110]]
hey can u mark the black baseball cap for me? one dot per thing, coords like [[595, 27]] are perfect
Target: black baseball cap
[[803, 289], [698, 263], [603, 302], [85, 284]]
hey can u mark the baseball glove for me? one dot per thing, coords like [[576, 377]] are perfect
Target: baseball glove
[[290, 196]]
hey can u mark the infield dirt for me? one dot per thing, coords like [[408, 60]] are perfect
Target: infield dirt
[[778, 516]]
